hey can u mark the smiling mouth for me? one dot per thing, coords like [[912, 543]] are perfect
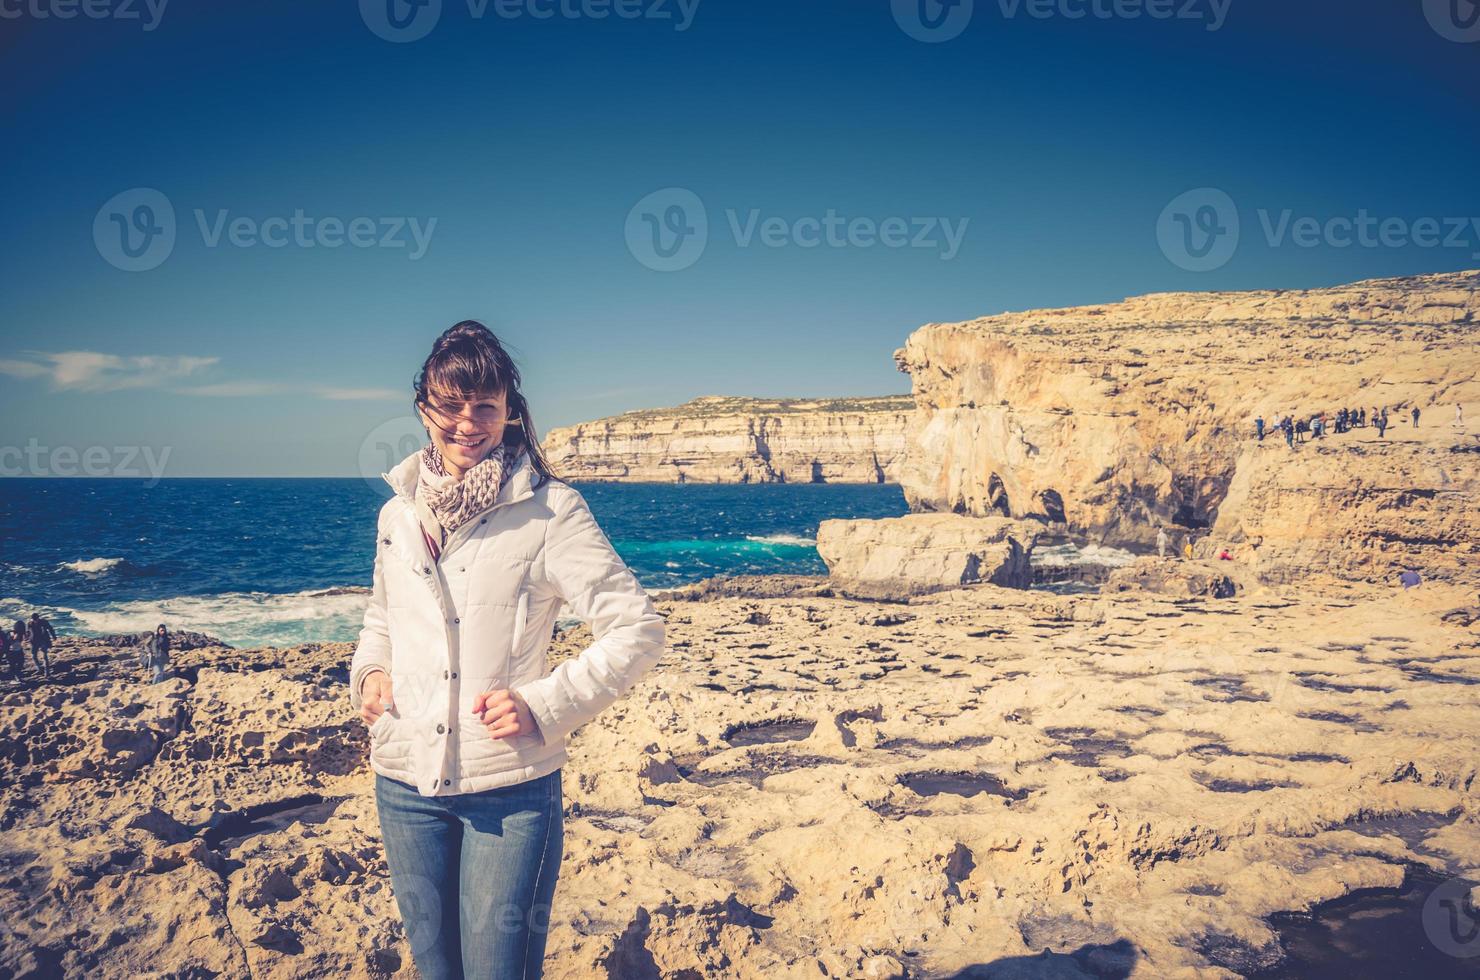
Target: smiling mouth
[[466, 442]]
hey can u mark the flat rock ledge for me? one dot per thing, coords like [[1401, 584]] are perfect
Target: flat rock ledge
[[979, 782]]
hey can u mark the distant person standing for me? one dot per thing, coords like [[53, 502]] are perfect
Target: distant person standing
[[1259, 427], [1187, 547], [18, 645], [1288, 427], [41, 635], [1459, 416], [14, 659], [1415, 416], [157, 652], [1161, 542], [1381, 422]]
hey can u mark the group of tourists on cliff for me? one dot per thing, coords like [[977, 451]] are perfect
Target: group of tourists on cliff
[[1346, 419], [154, 651]]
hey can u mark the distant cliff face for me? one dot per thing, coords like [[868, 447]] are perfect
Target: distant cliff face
[[1117, 419], [740, 440]]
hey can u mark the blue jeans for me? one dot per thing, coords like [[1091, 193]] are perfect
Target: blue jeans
[[474, 874]]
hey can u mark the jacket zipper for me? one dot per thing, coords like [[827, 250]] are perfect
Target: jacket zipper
[[437, 593]]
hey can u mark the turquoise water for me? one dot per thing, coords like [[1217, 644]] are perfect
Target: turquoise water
[[270, 561]]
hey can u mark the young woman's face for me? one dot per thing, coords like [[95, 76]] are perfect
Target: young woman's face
[[465, 428]]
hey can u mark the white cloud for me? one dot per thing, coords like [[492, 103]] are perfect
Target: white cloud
[[235, 389], [361, 394], [21, 369], [83, 370], [248, 389]]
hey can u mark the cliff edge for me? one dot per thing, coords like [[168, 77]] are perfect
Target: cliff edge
[[1117, 419]]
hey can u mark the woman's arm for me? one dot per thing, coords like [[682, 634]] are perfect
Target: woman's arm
[[589, 574], [374, 649]]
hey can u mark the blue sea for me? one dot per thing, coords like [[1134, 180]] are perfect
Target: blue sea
[[283, 561]]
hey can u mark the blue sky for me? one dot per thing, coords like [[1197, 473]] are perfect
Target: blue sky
[[1027, 161]]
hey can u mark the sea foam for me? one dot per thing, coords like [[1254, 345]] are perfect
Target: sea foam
[[92, 566]]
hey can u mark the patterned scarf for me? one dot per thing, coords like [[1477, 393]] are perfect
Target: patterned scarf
[[445, 503]]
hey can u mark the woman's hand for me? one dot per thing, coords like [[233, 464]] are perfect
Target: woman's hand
[[375, 695], [504, 713]]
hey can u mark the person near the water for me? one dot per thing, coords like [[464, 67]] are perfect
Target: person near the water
[[41, 634], [1161, 542], [1259, 427], [477, 551], [14, 658], [157, 652], [1415, 416]]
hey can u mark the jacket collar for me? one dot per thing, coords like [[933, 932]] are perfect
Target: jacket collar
[[518, 484]]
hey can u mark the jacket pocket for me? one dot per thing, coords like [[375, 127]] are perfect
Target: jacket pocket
[[477, 744], [521, 617], [380, 726]]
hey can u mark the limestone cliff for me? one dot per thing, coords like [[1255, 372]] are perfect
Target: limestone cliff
[[740, 440], [1118, 418]]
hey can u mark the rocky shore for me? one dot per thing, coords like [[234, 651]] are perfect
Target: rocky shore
[[1114, 420], [918, 767], [977, 782]]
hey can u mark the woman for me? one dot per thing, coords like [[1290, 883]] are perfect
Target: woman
[[157, 652], [476, 551]]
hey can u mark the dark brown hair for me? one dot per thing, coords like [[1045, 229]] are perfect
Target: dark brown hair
[[468, 361]]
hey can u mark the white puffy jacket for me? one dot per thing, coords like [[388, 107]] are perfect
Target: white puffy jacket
[[481, 618]]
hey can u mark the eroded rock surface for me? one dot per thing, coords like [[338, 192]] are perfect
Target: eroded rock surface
[[806, 786], [740, 440], [919, 553], [1120, 418]]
